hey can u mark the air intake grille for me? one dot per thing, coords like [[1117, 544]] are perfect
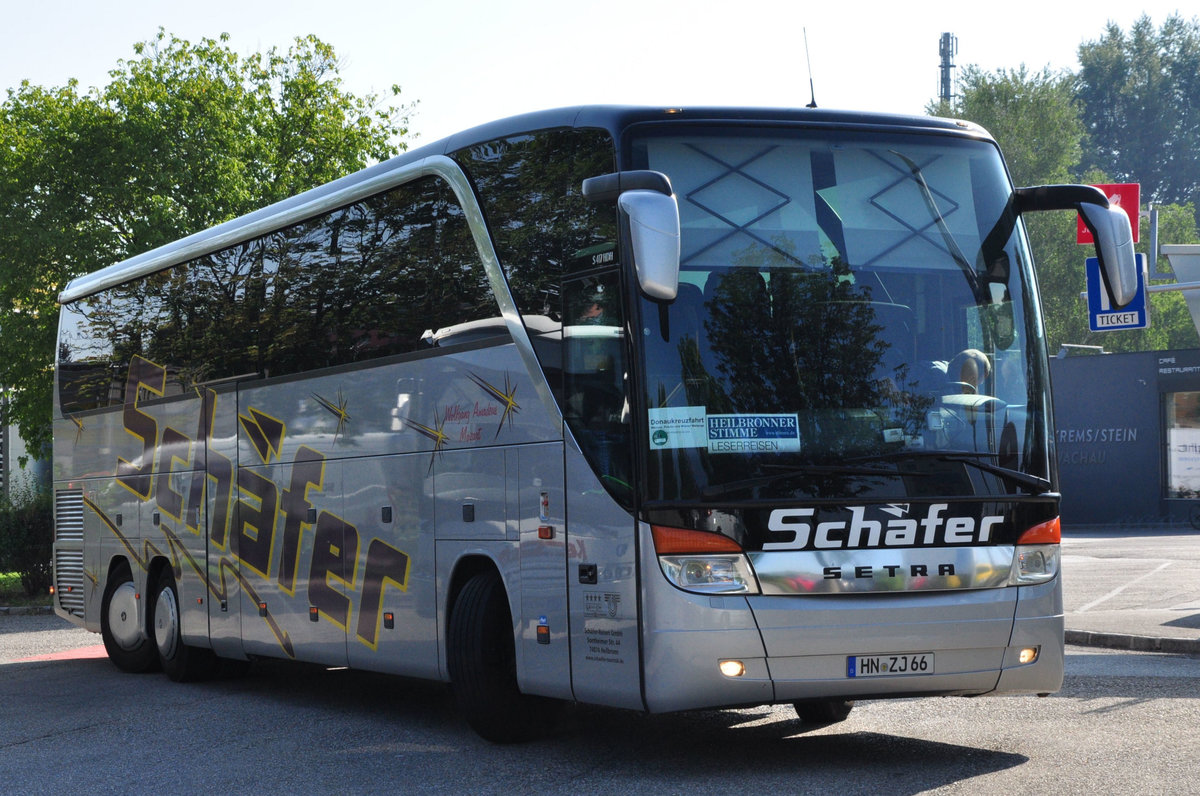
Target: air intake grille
[[68, 580], [68, 515], [68, 562]]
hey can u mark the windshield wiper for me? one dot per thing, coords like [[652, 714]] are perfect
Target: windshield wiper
[[952, 247], [1035, 483], [788, 472]]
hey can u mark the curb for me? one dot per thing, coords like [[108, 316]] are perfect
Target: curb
[[1121, 641], [26, 610]]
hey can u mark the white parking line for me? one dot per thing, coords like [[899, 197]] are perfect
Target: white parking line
[[1123, 587]]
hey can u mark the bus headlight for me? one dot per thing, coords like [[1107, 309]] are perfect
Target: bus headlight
[[727, 574], [1035, 563], [703, 561]]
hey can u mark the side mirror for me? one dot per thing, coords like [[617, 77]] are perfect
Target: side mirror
[[1109, 227], [1114, 247], [646, 199], [654, 230]]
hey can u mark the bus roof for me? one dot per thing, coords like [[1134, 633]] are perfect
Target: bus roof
[[613, 118]]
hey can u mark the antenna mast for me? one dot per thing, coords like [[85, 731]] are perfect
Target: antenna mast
[[947, 48], [811, 91]]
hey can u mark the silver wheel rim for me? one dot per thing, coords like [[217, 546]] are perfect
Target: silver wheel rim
[[122, 616], [166, 623]]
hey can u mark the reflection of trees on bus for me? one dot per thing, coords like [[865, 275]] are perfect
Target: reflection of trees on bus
[[361, 282], [530, 189], [778, 337], [813, 342]]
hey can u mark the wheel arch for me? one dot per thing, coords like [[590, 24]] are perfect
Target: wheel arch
[[154, 569]]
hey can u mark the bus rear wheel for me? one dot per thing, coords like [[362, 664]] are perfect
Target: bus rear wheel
[[822, 712], [128, 647], [181, 662], [483, 671]]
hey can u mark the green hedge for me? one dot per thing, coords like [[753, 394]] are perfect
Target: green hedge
[[26, 536]]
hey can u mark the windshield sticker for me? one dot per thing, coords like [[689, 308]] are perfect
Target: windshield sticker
[[753, 433], [678, 427]]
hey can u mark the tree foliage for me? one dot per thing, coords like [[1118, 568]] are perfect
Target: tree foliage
[[1037, 119], [1032, 115], [1140, 98], [26, 535], [184, 136]]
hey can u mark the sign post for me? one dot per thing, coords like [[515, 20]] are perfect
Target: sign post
[[1127, 196], [1102, 317]]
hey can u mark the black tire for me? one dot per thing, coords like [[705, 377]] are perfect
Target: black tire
[[822, 712], [182, 662], [483, 671], [125, 641]]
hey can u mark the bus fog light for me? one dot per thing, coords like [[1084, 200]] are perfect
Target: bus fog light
[[732, 668], [1028, 655]]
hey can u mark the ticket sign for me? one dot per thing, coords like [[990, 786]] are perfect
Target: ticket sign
[[1103, 317], [1127, 196]]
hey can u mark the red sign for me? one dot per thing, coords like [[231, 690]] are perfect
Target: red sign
[[1126, 196]]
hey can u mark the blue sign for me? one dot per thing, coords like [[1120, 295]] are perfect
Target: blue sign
[[1102, 316]]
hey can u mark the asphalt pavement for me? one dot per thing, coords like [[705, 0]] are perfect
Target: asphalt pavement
[[1132, 587], [1135, 588]]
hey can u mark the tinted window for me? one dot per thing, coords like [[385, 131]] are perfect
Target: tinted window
[[530, 190], [361, 282]]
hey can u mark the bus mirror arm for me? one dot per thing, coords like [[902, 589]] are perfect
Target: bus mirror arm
[[1109, 227], [609, 187]]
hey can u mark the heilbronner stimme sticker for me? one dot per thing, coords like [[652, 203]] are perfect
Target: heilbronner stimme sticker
[[753, 433], [692, 427]]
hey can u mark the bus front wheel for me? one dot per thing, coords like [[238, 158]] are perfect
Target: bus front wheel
[[821, 712], [483, 671]]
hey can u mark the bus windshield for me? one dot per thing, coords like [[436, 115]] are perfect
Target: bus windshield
[[854, 320]]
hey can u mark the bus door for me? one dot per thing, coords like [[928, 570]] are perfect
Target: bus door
[[601, 548]]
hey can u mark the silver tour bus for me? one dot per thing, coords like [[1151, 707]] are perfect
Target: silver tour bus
[[657, 409]]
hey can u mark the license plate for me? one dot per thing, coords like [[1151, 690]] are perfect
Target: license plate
[[895, 665]]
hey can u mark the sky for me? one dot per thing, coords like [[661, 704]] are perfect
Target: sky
[[466, 62]]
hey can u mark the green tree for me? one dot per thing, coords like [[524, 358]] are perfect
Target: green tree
[[1140, 99], [1036, 119], [185, 136], [26, 534], [1033, 117]]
